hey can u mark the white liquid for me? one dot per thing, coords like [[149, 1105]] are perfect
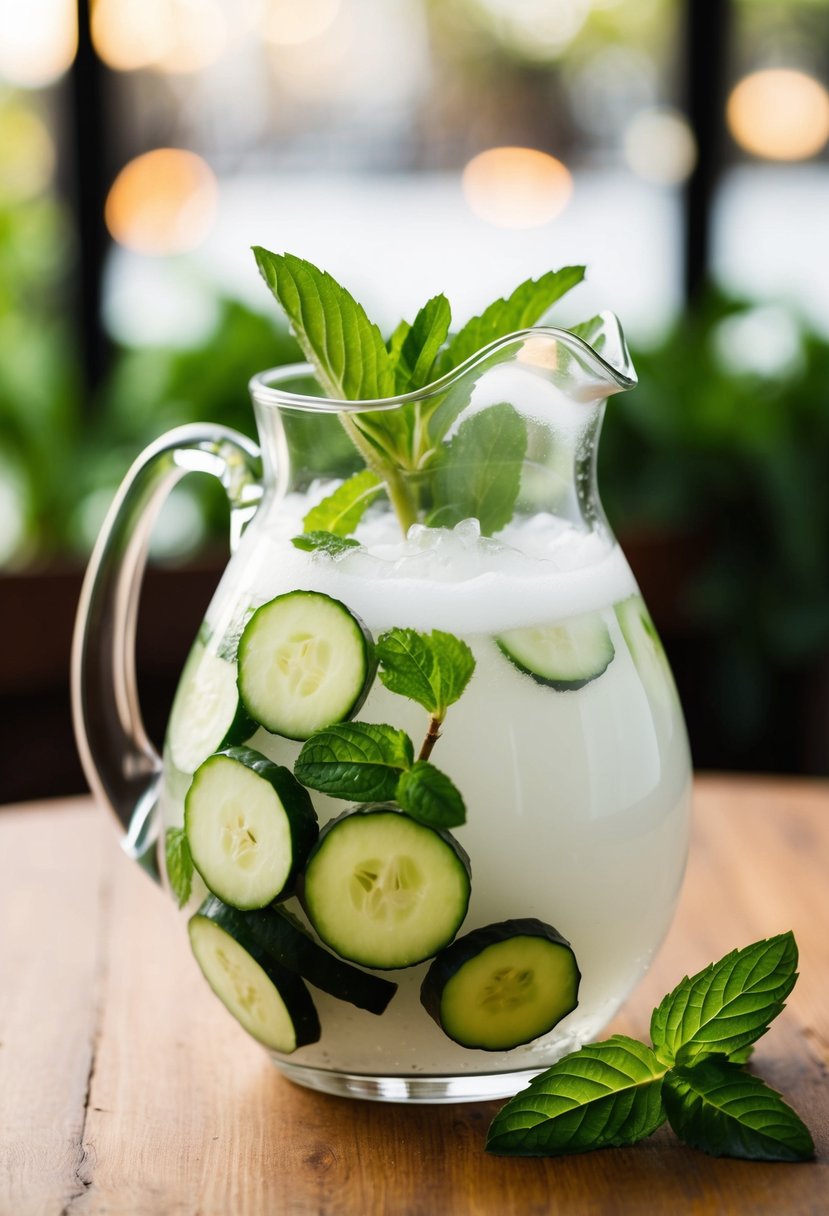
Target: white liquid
[[577, 802]]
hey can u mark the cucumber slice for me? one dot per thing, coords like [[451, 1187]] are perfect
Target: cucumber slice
[[207, 713], [250, 826], [502, 985], [645, 646], [565, 656], [305, 662], [271, 1002], [384, 890], [290, 944]]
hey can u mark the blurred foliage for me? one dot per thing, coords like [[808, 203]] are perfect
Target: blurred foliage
[[708, 446], [719, 442], [39, 387]]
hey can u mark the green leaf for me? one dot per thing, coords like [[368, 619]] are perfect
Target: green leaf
[[324, 542], [342, 510], [606, 1094], [525, 307], [726, 1112], [590, 331], [727, 1005], [421, 344], [429, 796], [478, 473], [430, 668], [396, 340], [346, 349], [359, 761], [179, 864]]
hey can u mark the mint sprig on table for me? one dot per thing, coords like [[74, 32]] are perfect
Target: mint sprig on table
[[617, 1092], [405, 450], [371, 762]]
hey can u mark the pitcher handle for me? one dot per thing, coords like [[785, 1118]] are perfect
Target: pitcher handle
[[121, 764]]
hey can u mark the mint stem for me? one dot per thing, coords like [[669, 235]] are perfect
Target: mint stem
[[399, 493], [432, 736]]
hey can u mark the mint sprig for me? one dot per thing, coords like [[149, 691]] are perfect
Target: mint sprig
[[478, 473], [525, 306], [345, 348], [606, 1094], [430, 668], [402, 446], [341, 511], [619, 1091], [360, 761], [324, 542], [368, 762], [428, 795], [726, 1006], [726, 1112], [179, 863]]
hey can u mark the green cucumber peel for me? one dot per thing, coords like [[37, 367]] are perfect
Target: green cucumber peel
[[620, 1091], [179, 862]]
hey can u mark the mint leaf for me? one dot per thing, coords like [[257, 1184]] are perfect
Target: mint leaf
[[429, 796], [396, 340], [179, 864], [478, 473], [726, 1112], [727, 1005], [324, 542], [346, 349], [590, 331], [359, 761], [430, 668], [341, 511], [421, 344], [606, 1094], [525, 307]]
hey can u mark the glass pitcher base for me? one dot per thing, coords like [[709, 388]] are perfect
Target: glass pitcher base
[[481, 1087]]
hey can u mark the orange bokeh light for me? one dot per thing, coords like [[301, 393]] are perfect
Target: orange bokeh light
[[517, 187], [163, 202], [779, 114]]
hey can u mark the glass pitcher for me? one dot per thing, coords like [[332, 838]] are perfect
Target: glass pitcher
[[423, 962]]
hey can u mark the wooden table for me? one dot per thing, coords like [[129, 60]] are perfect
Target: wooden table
[[126, 1088]]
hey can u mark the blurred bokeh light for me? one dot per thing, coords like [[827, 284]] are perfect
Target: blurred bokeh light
[[287, 23], [779, 114], [38, 40], [168, 35], [162, 202], [516, 187], [659, 146]]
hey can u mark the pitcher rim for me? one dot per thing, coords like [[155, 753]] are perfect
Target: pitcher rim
[[264, 393]]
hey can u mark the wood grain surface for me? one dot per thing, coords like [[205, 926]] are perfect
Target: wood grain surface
[[126, 1088]]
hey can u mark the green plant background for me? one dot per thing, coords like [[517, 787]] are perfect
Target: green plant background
[[736, 460]]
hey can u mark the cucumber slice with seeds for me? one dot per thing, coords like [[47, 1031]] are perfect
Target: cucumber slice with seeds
[[565, 656], [271, 1002], [305, 662], [289, 943], [384, 890], [250, 826], [502, 985], [207, 713]]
